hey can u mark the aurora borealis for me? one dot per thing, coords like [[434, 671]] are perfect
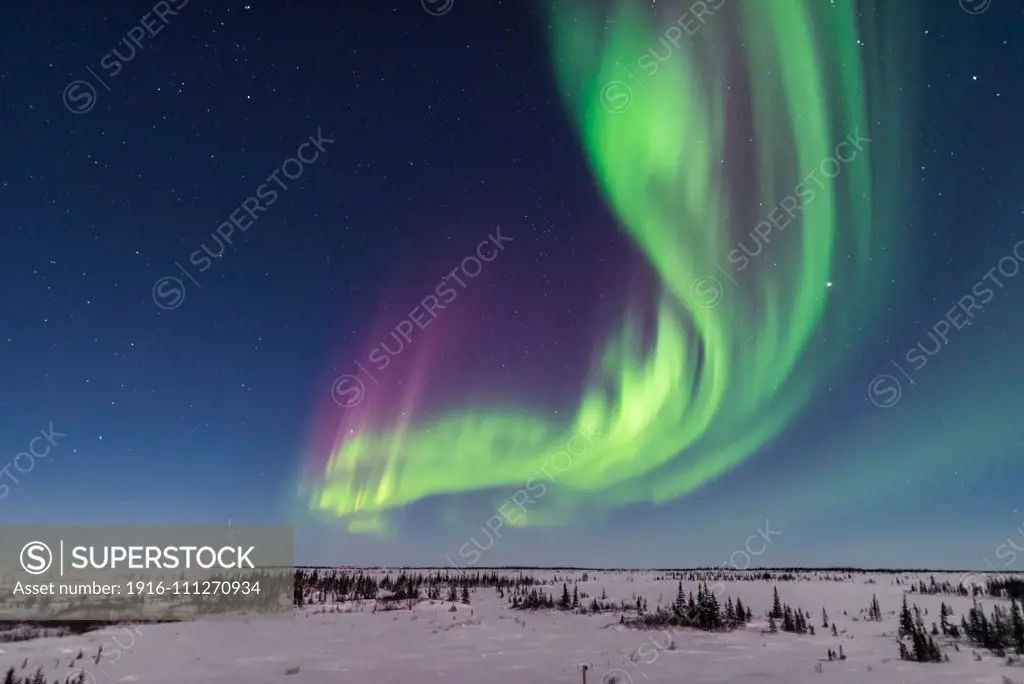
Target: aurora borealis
[[734, 120], [629, 279]]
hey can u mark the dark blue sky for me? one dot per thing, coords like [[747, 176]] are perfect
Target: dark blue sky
[[443, 127]]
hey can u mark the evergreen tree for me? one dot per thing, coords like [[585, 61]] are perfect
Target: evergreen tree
[[565, 602], [944, 613], [999, 632], [1017, 626], [465, 594], [835, 632], [824, 618], [776, 605], [983, 633], [906, 620], [772, 627], [575, 597], [712, 612], [973, 622], [875, 612], [933, 651]]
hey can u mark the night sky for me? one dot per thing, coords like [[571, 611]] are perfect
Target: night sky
[[175, 387]]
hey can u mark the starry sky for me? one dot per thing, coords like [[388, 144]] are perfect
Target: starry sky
[[178, 376]]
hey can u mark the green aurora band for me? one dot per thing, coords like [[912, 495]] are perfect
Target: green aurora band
[[770, 87]]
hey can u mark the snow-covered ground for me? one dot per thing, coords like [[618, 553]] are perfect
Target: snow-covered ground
[[487, 641]]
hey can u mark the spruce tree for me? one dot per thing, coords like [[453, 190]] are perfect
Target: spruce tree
[[906, 620], [876, 610], [835, 632], [712, 609], [465, 594], [776, 605], [920, 646], [983, 632], [998, 631], [824, 618], [1017, 626], [933, 651], [565, 596], [771, 624]]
